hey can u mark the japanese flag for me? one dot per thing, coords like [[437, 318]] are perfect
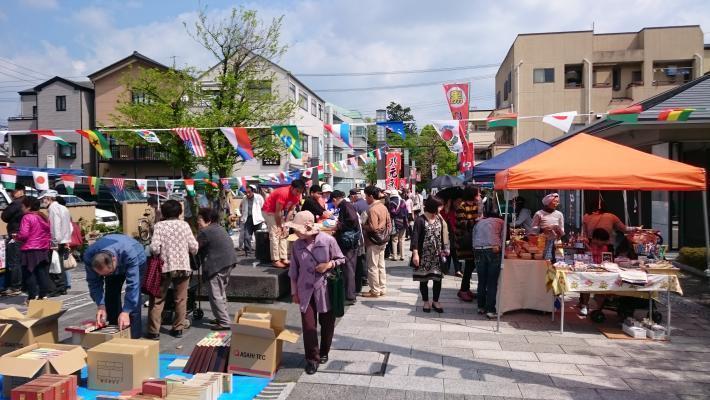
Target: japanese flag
[[562, 121], [41, 180]]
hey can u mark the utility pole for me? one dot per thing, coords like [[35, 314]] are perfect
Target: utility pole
[[381, 116]]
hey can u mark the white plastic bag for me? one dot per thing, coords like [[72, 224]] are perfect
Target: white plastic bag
[[55, 267]]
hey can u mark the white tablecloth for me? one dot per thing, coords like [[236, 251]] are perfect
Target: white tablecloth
[[523, 286]]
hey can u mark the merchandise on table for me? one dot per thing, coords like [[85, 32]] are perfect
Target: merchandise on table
[[211, 354]]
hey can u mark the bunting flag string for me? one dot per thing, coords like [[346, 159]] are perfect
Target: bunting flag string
[[193, 141], [49, 134], [119, 183], [239, 139], [148, 135], [97, 140], [68, 182], [9, 178]]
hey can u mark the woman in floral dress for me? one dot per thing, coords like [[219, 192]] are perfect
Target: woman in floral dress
[[430, 247]]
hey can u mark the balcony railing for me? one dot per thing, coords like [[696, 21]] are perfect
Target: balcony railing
[[122, 152]]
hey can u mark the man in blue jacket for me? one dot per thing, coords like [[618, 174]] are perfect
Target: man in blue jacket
[[111, 261]]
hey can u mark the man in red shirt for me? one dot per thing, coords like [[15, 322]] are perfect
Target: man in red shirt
[[275, 209]]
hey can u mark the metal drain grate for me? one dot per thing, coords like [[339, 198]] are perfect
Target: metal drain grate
[[356, 362], [276, 391]]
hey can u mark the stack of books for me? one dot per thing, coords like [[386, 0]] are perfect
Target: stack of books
[[211, 354], [47, 387]]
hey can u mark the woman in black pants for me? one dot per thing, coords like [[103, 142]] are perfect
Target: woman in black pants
[[430, 247]]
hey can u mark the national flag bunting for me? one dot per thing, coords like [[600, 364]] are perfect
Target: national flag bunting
[[49, 134], [193, 141], [504, 120], [307, 173], [169, 186], [243, 182], [273, 178], [562, 121], [378, 154], [209, 182], [448, 130], [9, 178], [284, 177], [68, 181], [341, 131], [343, 165], [148, 136], [239, 139], [97, 140], [290, 137], [675, 114], [365, 157], [394, 127], [190, 186], [93, 185], [626, 114], [225, 183], [118, 183], [334, 167], [41, 180], [142, 185], [353, 161]]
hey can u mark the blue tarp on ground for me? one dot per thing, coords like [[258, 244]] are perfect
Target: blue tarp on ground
[[486, 171], [244, 387]]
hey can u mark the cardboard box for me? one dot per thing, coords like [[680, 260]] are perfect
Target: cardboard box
[[18, 371], [39, 324], [257, 351], [153, 350], [122, 364], [259, 320], [91, 339]]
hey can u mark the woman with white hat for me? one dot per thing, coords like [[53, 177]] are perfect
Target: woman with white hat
[[314, 254], [550, 223]]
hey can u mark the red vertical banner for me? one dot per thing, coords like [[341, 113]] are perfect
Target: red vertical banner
[[470, 156], [457, 95], [393, 167]]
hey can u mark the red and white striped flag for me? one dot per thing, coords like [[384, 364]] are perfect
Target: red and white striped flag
[[193, 141], [119, 183], [364, 157]]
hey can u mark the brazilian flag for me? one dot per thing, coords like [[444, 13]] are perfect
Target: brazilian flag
[[290, 138]]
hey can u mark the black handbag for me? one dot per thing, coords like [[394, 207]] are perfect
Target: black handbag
[[336, 292], [349, 240]]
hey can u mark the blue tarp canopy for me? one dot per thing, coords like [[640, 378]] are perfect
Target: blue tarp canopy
[[486, 171], [27, 171]]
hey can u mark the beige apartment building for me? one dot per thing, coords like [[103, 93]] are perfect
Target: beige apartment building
[[587, 72]]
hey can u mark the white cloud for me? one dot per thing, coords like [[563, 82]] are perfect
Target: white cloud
[[42, 4], [368, 35]]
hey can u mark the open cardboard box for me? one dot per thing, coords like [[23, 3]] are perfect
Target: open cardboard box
[[18, 371], [122, 364], [257, 351], [89, 340], [39, 324]]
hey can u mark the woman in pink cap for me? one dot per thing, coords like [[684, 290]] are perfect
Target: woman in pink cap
[[312, 256]]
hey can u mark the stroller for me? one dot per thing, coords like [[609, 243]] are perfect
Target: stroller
[[194, 290]]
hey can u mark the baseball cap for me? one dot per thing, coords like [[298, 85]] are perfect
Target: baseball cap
[[49, 193], [326, 188]]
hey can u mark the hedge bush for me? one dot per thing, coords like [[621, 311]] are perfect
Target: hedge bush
[[693, 257]]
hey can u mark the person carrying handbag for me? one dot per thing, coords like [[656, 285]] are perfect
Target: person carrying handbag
[[347, 235], [430, 247], [314, 255]]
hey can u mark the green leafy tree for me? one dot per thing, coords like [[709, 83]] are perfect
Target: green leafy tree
[[431, 149], [240, 90], [369, 169]]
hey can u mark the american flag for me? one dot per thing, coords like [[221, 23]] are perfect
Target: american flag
[[118, 183], [193, 141]]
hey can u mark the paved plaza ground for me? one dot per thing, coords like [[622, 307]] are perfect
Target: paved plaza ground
[[387, 348]]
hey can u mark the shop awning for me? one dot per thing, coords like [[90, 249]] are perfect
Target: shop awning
[[486, 171], [586, 162]]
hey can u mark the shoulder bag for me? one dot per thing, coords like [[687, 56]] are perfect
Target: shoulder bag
[[153, 275]]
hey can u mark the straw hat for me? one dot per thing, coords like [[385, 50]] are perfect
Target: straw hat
[[304, 223]]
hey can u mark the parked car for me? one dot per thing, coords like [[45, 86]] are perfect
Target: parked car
[[104, 217]]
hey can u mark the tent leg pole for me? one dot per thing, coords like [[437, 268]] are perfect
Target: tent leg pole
[[707, 233], [502, 262], [626, 209]]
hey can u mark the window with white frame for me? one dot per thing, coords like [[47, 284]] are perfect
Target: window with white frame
[[303, 99], [313, 107]]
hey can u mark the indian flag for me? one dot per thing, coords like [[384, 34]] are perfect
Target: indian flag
[[626, 114], [675, 114], [49, 134], [68, 182], [190, 186], [9, 178], [504, 120]]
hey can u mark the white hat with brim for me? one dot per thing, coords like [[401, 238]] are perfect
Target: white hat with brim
[[304, 223]]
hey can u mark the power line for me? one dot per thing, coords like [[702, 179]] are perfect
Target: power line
[[34, 72], [403, 86], [400, 72]]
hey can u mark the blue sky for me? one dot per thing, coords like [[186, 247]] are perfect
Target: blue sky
[[73, 38]]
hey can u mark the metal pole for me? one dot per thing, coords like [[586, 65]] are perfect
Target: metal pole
[[502, 262], [707, 233], [626, 209], [517, 97], [381, 116]]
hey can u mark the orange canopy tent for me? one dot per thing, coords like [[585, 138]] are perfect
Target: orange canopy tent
[[585, 162]]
